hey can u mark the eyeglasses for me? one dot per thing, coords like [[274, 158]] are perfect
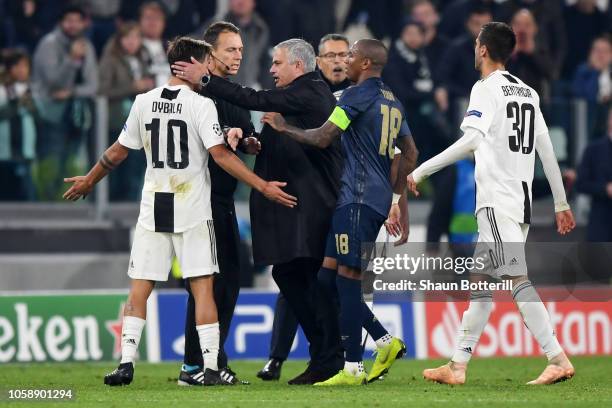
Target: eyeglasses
[[333, 55]]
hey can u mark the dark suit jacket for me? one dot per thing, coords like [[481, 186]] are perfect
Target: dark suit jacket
[[594, 173], [223, 185], [282, 234]]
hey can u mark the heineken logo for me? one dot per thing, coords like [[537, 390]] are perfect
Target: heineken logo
[[60, 327]]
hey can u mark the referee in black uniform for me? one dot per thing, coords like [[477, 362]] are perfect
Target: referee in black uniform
[[293, 240], [227, 55]]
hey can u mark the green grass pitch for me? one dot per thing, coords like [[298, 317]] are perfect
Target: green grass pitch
[[495, 382]]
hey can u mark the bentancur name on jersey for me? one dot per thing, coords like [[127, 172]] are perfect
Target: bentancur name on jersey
[[513, 90]]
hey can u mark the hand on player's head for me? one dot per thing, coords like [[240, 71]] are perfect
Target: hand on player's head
[[190, 71], [565, 221]]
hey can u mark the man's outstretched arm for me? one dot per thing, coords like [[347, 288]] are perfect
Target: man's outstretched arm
[[320, 137], [455, 152], [234, 166], [82, 185]]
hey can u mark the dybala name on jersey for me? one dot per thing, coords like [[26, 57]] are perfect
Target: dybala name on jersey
[[167, 107]]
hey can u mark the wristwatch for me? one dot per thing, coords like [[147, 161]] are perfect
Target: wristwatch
[[204, 80]]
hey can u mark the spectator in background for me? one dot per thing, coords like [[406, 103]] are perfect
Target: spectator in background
[[595, 179], [424, 12], [407, 74], [383, 17], [456, 72], [17, 128], [592, 79], [182, 16], [25, 16], [551, 33], [64, 78], [123, 75], [530, 60], [456, 14], [585, 22], [102, 14], [333, 52], [152, 20], [593, 82], [255, 37]]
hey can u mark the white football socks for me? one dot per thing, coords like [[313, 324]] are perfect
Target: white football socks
[[354, 367], [536, 318], [384, 341], [474, 320], [130, 338], [209, 343]]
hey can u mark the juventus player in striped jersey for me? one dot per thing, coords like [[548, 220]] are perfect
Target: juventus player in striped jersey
[[504, 127], [178, 129]]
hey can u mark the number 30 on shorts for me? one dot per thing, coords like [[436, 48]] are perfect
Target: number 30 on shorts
[[342, 244]]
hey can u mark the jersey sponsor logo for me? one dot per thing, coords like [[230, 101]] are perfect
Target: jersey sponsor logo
[[473, 113]]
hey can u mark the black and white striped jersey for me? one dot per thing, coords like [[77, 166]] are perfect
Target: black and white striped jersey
[[176, 127]]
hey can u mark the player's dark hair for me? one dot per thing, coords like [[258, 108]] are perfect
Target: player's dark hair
[[212, 33], [499, 40], [183, 48], [332, 37], [72, 10]]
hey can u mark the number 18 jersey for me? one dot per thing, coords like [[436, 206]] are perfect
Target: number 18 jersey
[[176, 127], [508, 113]]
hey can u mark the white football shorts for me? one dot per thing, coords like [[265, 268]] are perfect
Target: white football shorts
[[152, 252], [501, 244]]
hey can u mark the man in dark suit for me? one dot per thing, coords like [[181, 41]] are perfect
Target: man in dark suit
[[595, 179], [293, 241]]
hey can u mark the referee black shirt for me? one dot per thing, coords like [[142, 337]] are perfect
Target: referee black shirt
[[223, 185]]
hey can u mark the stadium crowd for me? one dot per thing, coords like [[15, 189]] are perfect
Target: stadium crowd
[[58, 55]]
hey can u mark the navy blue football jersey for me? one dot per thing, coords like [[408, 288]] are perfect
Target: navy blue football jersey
[[371, 119]]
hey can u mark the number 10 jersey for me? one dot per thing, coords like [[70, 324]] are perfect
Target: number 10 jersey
[[176, 127], [507, 112]]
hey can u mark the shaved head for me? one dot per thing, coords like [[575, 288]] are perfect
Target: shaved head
[[375, 51]]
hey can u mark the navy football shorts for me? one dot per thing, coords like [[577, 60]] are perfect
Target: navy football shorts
[[352, 225]]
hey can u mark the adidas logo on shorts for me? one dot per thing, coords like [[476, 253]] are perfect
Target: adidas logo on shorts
[[514, 261]]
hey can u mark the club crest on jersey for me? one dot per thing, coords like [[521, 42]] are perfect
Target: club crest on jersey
[[473, 113]]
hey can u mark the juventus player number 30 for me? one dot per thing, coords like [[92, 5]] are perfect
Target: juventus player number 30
[[504, 128]]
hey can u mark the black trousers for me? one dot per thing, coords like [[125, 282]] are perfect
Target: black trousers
[[284, 329], [226, 284], [315, 311]]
